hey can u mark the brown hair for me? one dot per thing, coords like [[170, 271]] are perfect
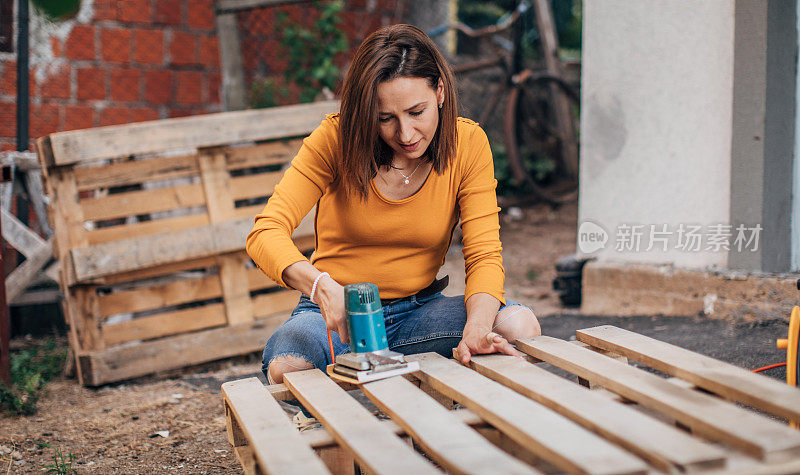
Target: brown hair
[[392, 52]]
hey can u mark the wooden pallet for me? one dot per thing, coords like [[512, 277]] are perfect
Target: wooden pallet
[[150, 222], [518, 417]]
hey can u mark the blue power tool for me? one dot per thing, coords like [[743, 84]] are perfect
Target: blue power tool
[[370, 358]]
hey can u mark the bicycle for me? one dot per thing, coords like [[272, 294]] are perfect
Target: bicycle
[[537, 116]]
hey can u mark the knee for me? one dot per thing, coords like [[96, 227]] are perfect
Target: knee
[[281, 365], [517, 322]]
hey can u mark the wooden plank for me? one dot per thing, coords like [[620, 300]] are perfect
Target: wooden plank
[[549, 435], [254, 186], [217, 186], [660, 444], [724, 379], [130, 361], [262, 155], [278, 447], [373, 445], [146, 228], [164, 324], [135, 172], [175, 293], [19, 236], [453, 444], [33, 181], [150, 251], [276, 303], [188, 265], [23, 275], [132, 203], [706, 415], [188, 132]]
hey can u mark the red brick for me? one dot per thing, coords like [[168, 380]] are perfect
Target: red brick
[[9, 79], [105, 10], [134, 11], [80, 43], [185, 112], [142, 114], [168, 12], [125, 84], [115, 44], [55, 45], [182, 48], [7, 146], [115, 116], [209, 51], [78, 117], [189, 87], [45, 119], [200, 14], [91, 83], [57, 83], [158, 87], [8, 119], [214, 86], [148, 46]]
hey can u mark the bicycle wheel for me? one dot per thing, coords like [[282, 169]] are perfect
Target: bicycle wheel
[[532, 135]]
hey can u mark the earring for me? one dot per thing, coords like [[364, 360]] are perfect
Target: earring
[[440, 106]]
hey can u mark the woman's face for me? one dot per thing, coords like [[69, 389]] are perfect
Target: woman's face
[[408, 115]]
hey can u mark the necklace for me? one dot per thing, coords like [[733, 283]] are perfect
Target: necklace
[[408, 178]]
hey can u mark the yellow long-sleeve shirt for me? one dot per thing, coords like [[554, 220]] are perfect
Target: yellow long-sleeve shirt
[[397, 244]]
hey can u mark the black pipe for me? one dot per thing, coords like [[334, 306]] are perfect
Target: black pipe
[[23, 96]]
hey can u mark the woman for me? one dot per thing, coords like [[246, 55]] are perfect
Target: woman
[[391, 175]]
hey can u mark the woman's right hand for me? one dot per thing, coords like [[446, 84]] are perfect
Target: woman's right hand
[[330, 298]]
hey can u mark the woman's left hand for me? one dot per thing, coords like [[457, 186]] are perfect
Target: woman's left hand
[[482, 340]]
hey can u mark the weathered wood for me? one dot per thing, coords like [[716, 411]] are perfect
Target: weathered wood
[[184, 291], [549, 435], [36, 195], [188, 132], [151, 251], [278, 447], [136, 172], [275, 303], [453, 444], [163, 324], [23, 275], [724, 379], [125, 362], [373, 445], [19, 236], [146, 228], [263, 155], [142, 202], [713, 418], [660, 444]]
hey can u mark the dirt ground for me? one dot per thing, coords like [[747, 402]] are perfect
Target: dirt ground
[[175, 422]]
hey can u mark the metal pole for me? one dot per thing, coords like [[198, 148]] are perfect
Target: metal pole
[[23, 95]]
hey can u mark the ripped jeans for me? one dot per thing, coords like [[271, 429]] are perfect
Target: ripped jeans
[[433, 323]]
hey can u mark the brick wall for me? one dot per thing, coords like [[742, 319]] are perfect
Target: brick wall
[[123, 61]]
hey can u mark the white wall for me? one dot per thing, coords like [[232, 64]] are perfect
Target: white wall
[[796, 181], [656, 120]]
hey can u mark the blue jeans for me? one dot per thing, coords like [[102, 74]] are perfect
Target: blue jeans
[[432, 323]]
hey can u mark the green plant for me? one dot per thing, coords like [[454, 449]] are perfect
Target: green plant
[[31, 369], [57, 10], [541, 168], [262, 93], [62, 464], [311, 52]]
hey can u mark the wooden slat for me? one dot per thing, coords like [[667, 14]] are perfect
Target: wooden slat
[[724, 379], [254, 186], [446, 439], [21, 237], [188, 132], [132, 203], [150, 251], [373, 445], [192, 264], [757, 436], [662, 445], [130, 361], [146, 228], [136, 172], [549, 435], [261, 155], [278, 447], [164, 324], [23, 275], [276, 303], [188, 290]]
